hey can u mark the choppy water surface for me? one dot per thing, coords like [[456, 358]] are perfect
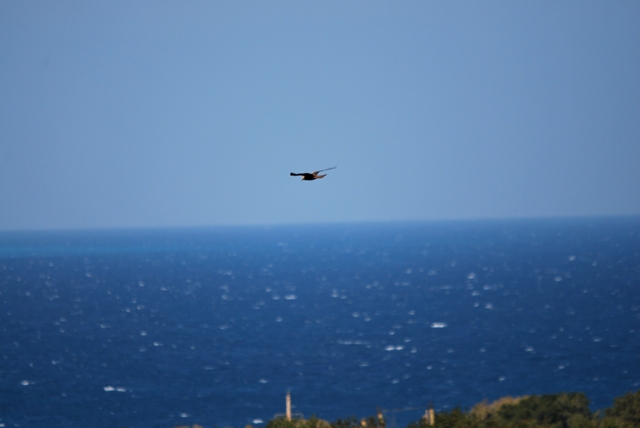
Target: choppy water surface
[[154, 328]]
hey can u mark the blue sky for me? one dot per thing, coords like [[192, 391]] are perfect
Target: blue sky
[[163, 114]]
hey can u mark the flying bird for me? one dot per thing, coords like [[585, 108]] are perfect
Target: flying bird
[[308, 176]]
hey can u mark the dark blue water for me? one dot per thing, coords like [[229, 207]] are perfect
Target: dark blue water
[[153, 328]]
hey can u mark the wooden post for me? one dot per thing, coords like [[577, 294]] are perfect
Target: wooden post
[[288, 409], [380, 415], [429, 415]]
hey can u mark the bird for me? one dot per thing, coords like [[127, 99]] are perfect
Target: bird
[[309, 176]]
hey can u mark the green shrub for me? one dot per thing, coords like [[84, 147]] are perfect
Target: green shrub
[[626, 408], [284, 423], [551, 410], [536, 411], [350, 422], [484, 410], [454, 419], [580, 421]]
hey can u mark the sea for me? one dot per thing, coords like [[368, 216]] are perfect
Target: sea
[[213, 326]]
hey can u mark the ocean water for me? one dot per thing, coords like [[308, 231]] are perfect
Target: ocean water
[[156, 328]]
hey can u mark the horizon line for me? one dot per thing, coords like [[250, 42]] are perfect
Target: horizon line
[[317, 224]]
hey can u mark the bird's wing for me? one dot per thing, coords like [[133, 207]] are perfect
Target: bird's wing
[[333, 167]]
